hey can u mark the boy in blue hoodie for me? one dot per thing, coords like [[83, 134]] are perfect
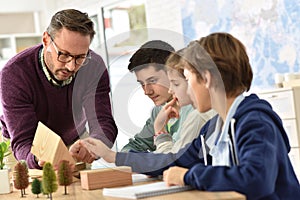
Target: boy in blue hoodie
[[244, 148]]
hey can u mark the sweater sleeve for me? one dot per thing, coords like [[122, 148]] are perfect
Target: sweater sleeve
[[191, 128], [143, 141], [163, 143], [20, 120], [155, 163]]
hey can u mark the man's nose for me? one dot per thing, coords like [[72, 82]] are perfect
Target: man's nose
[[71, 65]]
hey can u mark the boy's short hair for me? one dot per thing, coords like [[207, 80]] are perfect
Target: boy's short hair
[[225, 57], [154, 52]]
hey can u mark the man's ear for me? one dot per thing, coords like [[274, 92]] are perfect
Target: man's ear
[[46, 39]]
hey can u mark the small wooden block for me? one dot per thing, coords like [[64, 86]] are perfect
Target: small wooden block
[[35, 173], [80, 166], [106, 177], [49, 147]]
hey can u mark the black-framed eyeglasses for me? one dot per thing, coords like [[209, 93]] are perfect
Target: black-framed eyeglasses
[[66, 57]]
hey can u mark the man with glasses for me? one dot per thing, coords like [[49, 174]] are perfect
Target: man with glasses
[[61, 83]]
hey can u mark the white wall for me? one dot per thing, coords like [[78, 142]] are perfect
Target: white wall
[[42, 7], [21, 6], [165, 15]]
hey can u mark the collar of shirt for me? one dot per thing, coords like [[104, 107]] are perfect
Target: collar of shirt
[[218, 142], [49, 77]]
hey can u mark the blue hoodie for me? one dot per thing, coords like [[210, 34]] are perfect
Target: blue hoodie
[[260, 167]]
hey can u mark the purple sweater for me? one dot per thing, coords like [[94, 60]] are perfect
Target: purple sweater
[[28, 97]]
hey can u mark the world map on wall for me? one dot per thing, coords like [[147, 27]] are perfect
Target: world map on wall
[[269, 29]]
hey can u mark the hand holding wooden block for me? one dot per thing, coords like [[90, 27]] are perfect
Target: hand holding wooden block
[[49, 147]]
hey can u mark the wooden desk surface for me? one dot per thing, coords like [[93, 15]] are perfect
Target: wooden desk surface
[[75, 192]]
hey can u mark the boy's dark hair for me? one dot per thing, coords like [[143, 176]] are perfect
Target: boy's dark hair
[[154, 52]]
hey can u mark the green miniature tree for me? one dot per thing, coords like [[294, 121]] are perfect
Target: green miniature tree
[[64, 174], [36, 187], [49, 179], [20, 178], [4, 152], [43, 192]]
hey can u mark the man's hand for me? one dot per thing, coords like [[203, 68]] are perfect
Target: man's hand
[[174, 176], [39, 162], [80, 153]]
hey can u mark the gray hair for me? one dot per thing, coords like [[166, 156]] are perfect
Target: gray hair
[[73, 20]]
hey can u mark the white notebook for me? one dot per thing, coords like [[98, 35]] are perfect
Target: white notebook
[[145, 190]]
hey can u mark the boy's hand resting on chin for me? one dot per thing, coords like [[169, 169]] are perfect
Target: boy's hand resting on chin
[[170, 110]]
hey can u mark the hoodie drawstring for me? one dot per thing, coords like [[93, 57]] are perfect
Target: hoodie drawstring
[[232, 144]]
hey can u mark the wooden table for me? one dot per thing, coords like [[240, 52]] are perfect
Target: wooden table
[[75, 192]]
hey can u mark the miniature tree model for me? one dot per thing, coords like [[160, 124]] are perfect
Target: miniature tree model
[[24, 163], [20, 178], [42, 190], [64, 174], [49, 179], [36, 187]]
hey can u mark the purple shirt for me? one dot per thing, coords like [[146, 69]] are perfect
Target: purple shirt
[[28, 97]]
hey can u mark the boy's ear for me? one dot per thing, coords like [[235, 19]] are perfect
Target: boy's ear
[[207, 79]]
